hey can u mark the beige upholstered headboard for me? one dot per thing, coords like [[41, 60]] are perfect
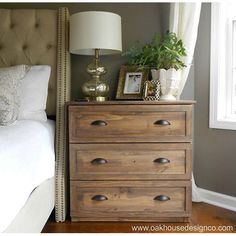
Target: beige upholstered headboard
[[30, 37], [40, 37]]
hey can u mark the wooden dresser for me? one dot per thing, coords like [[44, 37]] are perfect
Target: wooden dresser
[[130, 161]]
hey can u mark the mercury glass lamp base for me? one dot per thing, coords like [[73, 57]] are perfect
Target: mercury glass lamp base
[[97, 99], [101, 99]]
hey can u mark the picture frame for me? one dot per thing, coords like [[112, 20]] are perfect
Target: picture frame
[[131, 82], [152, 90]]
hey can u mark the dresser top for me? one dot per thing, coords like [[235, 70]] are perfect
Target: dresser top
[[178, 102]]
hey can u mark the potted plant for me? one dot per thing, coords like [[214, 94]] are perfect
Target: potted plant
[[144, 55], [169, 61], [165, 57]]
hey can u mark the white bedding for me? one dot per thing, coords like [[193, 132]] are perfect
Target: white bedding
[[27, 158]]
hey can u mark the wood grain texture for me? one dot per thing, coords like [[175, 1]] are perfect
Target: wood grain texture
[[130, 161], [128, 201], [136, 218], [130, 123], [203, 214], [113, 173], [130, 102]]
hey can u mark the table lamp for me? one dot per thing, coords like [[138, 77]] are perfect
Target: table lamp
[[95, 33]]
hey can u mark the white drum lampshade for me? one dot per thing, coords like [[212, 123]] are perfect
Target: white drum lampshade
[[95, 30]]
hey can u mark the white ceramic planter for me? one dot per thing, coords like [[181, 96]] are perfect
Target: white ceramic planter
[[169, 80]]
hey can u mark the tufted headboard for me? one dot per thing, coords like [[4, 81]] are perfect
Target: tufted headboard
[[37, 37], [30, 37]]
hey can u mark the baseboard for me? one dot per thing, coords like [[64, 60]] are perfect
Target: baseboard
[[218, 199]]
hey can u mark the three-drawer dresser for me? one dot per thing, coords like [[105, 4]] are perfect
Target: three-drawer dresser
[[130, 161]]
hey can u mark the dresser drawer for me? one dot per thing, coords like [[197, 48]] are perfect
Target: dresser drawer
[[117, 200], [136, 123], [130, 161]]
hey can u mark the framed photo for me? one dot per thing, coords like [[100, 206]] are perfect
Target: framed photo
[[131, 82], [152, 90]]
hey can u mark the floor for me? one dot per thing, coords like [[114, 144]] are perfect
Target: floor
[[205, 218]]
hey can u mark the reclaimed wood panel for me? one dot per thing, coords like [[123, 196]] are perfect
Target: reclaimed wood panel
[[130, 161], [133, 199], [129, 124]]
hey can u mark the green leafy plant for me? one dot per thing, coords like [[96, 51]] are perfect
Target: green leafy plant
[[143, 55], [170, 53], [160, 53]]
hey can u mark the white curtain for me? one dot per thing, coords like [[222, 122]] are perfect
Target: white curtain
[[184, 20]]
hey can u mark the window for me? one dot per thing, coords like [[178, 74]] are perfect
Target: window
[[223, 66]]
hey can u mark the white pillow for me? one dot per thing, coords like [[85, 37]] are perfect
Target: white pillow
[[34, 92], [10, 83]]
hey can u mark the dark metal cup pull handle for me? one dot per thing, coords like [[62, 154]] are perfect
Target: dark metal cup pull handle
[[99, 198], [99, 123], [162, 198], [162, 122], [162, 160], [99, 161]]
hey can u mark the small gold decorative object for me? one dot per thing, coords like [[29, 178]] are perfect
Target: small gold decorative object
[[152, 90]]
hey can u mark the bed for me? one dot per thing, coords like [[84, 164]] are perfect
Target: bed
[[38, 37]]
